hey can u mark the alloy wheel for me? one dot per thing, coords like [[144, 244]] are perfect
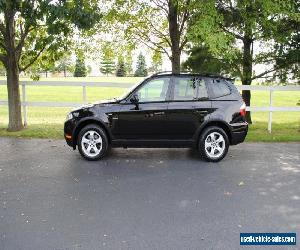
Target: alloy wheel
[[91, 143], [214, 145]]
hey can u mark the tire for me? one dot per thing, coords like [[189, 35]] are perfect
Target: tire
[[213, 144], [92, 142]]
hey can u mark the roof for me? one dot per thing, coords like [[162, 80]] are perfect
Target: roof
[[193, 74]]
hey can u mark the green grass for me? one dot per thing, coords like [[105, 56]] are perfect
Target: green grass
[[284, 132], [48, 122], [49, 131], [281, 132]]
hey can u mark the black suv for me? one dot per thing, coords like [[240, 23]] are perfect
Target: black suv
[[165, 110]]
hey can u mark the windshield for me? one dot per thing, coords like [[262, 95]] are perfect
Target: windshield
[[126, 93]]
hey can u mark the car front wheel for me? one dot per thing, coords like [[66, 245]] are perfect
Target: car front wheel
[[213, 144], [92, 142]]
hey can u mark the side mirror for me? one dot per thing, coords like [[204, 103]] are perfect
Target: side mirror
[[134, 99]]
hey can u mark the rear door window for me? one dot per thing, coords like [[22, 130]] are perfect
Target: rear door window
[[189, 88]]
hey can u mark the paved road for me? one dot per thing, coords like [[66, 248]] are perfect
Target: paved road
[[50, 198]]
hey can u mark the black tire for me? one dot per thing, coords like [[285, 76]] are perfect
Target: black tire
[[105, 143], [201, 145]]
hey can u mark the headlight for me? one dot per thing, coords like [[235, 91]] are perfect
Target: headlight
[[69, 116]]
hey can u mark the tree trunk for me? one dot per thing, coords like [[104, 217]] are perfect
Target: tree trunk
[[247, 74], [174, 36], [65, 73], [246, 94], [176, 61], [13, 90], [12, 67]]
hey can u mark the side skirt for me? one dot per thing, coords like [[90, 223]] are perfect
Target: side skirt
[[153, 143]]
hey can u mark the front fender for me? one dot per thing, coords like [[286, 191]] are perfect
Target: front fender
[[89, 120]]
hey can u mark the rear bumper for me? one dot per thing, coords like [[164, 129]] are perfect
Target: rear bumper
[[239, 133]]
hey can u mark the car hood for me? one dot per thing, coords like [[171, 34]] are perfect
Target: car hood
[[101, 103]]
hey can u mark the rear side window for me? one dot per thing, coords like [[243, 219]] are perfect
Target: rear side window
[[219, 88], [189, 88]]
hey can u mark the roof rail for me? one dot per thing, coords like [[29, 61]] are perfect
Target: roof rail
[[170, 72], [193, 73]]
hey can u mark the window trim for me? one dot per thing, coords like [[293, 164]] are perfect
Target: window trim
[[172, 92]]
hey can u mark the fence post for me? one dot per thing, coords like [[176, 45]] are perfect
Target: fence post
[[24, 104], [270, 112], [84, 94]]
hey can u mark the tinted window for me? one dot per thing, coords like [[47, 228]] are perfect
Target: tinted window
[[220, 88], [191, 88], [154, 90]]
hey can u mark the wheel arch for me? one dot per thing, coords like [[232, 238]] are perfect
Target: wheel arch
[[86, 122], [217, 123]]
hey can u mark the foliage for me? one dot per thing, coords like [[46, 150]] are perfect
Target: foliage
[[2, 69], [128, 63], [141, 67], [45, 63], [160, 25], [80, 68], [89, 69], [29, 29], [41, 26], [201, 60], [107, 66], [64, 64], [156, 61], [230, 30], [121, 68]]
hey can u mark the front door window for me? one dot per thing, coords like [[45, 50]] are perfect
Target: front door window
[[154, 90]]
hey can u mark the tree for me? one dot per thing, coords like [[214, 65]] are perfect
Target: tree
[[128, 62], [107, 66], [231, 29], [121, 68], [80, 69], [45, 63], [141, 67], [64, 64], [28, 29], [161, 25], [201, 60], [2, 69], [89, 69]]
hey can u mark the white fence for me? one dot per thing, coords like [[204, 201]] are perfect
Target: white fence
[[84, 85]]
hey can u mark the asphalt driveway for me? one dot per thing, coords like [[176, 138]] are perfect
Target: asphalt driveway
[[50, 198]]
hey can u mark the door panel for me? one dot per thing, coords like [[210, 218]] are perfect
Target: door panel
[[186, 117], [189, 106], [146, 119], [149, 121]]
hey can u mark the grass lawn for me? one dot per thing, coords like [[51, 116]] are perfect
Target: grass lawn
[[48, 122]]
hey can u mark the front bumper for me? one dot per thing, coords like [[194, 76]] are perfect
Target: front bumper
[[239, 133], [68, 132]]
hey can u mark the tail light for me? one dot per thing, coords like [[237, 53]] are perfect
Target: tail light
[[243, 110]]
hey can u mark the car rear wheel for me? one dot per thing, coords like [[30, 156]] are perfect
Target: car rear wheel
[[213, 144], [92, 142]]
